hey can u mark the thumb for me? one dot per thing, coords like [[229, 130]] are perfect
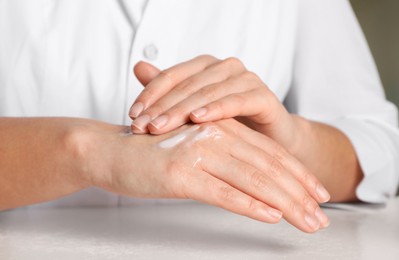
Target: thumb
[[145, 72]]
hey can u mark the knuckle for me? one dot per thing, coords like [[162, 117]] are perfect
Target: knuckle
[[253, 205], [168, 76], [233, 62], [238, 99], [264, 91], [258, 180], [250, 76], [226, 194], [209, 93], [187, 87], [276, 169], [219, 108], [279, 153], [293, 208], [207, 57]]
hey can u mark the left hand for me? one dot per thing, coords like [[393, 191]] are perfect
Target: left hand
[[208, 89]]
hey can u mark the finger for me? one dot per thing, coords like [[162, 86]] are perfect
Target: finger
[[217, 72], [179, 113], [145, 72], [296, 168], [283, 177], [254, 104], [201, 186], [167, 79], [272, 186]]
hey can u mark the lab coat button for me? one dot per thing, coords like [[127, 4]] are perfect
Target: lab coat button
[[150, 52]]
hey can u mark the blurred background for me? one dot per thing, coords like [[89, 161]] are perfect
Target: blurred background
[[380, 22]]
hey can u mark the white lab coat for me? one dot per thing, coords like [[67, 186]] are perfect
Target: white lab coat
[[75, 58]]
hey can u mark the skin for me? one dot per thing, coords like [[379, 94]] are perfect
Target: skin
[[207, 89], [234, 167]]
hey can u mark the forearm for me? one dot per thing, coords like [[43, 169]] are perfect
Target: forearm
[[329, 154], [39, 160]]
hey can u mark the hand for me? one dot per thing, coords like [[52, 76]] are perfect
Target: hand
[[207, 89], [224, 164]]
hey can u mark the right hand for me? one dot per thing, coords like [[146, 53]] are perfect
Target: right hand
[[223, 163]]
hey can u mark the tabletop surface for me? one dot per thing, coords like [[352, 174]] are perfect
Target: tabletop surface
[[193, 231]]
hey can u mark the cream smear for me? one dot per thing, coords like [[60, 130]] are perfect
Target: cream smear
[[191, 134]]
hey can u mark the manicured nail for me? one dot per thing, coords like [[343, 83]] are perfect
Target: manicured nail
[[141, 122], [269, 215], [160, 121], [136, 109], [324, 220], [322, 193], [199, 112], [312, 222], [276, 214]]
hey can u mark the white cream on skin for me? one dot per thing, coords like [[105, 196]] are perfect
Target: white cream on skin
[[192, 132], [190, 136], [177, 139], [173, 141]]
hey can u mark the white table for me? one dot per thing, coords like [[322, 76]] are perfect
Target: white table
[[192, 231]]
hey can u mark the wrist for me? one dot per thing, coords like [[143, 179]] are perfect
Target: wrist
[[90, 148], [78, 142], [301, 130]]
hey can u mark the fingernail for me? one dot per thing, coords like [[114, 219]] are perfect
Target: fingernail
[[160, 121], [312, 222], [136, 109], [199, 112], [276, 214], [322, 193], [141, 122], [324, 220]]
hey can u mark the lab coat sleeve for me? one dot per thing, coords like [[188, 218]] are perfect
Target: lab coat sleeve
[[335, 81]]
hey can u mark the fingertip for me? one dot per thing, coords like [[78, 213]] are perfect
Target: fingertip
[[312, 222], [155, 131], [131, 127], [136, 130], [159, 122], [139, 65], [140, 124], [199, 115], [276, 215], [267, 214], [135, 110], [200, 112], [322, 193], [323, 218], [194, 119], [145, 72]]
